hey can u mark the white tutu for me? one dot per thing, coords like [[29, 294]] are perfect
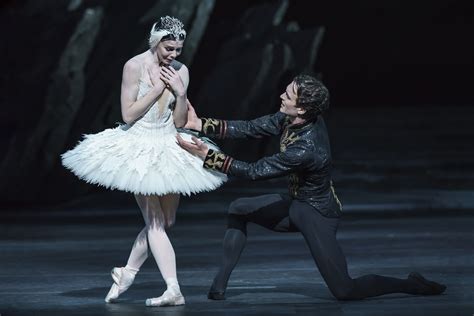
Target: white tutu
[[142, 158]]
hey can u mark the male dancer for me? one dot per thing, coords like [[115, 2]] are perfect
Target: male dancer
[[312, 207]]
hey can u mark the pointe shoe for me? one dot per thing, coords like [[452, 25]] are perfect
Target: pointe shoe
[[427, 287], [123, 279], [169, 298]]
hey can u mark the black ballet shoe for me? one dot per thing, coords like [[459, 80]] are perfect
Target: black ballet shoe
[[426, 287], [216, 296]]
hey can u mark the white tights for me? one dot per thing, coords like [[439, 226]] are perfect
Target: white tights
[[159, 213]]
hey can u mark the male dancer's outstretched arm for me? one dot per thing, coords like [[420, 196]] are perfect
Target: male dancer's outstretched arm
[[267, 125]]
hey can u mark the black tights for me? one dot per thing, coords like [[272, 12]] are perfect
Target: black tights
[[284, 215]]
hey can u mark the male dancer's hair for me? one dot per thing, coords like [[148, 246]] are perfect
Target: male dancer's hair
[[313, 96]]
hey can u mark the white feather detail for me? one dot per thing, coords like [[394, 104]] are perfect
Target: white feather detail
[[142, 158]]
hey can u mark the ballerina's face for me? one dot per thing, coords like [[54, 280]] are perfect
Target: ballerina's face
[[167, 51]]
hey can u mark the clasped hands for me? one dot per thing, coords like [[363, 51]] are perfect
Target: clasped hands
[[167, 77]]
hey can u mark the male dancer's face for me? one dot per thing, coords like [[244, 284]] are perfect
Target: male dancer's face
[[288, 101]]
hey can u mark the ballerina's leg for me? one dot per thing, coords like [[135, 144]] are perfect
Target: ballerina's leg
[[161, 214]]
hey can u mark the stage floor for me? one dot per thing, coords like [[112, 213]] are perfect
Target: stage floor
[[57, 261]]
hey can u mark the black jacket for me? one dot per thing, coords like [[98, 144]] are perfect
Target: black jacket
[[304, 156]]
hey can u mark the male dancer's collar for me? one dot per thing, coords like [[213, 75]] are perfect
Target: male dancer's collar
[[301, 126]]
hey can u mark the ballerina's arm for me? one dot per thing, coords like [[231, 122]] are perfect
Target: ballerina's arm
[[132, 108], [178, 81]]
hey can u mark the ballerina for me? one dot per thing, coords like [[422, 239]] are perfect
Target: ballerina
[[143, 158]]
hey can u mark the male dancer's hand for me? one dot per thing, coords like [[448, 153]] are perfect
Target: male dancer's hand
[[194, 122], [198, 148]]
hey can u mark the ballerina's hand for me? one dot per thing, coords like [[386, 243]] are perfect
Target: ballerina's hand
[[158, 84], [193, 122], [198, 148], [173, 79]]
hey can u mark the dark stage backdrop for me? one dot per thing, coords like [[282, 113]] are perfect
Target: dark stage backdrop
[[388, 65]]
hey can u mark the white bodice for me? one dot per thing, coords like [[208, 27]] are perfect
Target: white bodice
[[158, 119], [142, 157]]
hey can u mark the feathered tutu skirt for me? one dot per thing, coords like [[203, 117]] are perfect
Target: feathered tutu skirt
[[143, 159]]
